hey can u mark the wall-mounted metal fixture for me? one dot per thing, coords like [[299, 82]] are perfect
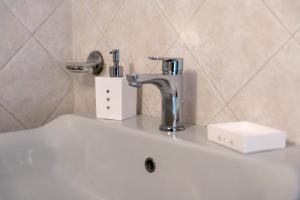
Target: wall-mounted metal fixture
[[93, 64]]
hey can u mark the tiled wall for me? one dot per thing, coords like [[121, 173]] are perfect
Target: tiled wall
[[242, 57], [34, 37]]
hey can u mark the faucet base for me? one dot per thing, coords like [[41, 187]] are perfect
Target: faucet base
[[171, 128]]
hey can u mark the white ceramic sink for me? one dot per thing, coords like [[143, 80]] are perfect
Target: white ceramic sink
[[76, 158]]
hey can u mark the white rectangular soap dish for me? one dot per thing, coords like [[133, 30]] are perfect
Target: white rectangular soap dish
[[246, 137]]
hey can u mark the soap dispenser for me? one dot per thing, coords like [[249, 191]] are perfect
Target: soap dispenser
[[115, 99], [116, 70]]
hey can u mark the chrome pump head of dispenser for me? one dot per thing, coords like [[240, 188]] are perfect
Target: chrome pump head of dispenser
[[116, 70]]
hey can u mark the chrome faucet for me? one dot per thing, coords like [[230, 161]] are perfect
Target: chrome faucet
[[170, 84]]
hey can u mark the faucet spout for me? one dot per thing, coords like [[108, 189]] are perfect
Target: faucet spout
[[161, 81], [133, 80], [171, 88]]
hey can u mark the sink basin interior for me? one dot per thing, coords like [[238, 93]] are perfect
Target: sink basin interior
[[80, 158]]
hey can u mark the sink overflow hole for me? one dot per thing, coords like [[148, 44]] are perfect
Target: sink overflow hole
[[150, 165]]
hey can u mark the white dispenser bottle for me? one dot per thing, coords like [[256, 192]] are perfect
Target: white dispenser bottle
[[115, 99]]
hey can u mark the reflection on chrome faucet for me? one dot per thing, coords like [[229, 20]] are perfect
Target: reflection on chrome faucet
[[170, 84]]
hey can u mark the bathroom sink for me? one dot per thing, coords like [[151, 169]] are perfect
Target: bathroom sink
[[76, 158]]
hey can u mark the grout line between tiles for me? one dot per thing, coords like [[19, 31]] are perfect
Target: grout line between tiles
[[107, 41], [103, 32], [57, 106], [196, 11], [114, 17], [17, 19], [205, 74], [11, 114], [221, 110], [50, 15], [170, 21], [259, 70], [71, 88], [166, 18], [184, 44], [296, 31], [298, 43], [98, 43], [276, 17], [90, 15], [52, 57], [215, 115], [31, 35], [102, 40], [41, 44], [294, 35], [232, 111], [17, 51], [146, 108], [212, 82]]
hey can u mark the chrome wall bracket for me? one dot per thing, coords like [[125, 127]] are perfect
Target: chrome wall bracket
[[93, 64]]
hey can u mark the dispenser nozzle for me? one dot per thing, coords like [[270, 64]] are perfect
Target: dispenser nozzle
[[116, 56], [116, 70]]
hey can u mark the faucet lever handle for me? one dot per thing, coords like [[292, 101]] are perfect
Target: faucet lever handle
[[170, 65], [156, 58]]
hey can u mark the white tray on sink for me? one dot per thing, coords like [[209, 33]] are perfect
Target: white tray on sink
[[246, 137]]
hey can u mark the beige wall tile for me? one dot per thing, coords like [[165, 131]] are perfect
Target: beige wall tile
[[273, 97], [103, 11], [85, 34], [84, 94], [297, 36], [287, 11], [225, 115], [56, 33], [32, 13], [139, 30], [143, 109], [8, 122], [32, 85], [179, 11], [65, 107], [232, 40], [151, 98], [86, 37], [13, 35]]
